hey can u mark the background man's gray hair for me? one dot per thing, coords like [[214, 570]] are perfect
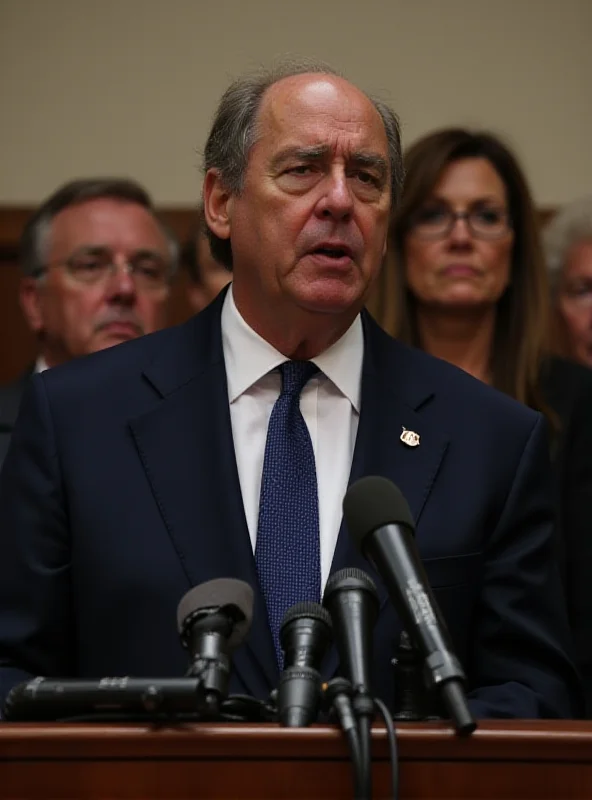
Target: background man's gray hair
[[569, 226], [35, 236], [234, 132]]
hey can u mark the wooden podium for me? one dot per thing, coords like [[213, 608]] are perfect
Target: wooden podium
[[521, 760]]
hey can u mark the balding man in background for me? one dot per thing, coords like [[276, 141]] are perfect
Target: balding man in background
[[97, 265]]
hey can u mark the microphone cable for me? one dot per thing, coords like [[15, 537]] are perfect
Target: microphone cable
[[338, 699], [338, 694], [392, 743]]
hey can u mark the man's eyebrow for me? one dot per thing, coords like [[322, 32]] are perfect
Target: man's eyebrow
[[90, 250], [312, 153], [101, 249], [372, 161], [317, 152]]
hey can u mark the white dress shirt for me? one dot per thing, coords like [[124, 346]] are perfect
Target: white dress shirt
[[40, 365], [330, 405]]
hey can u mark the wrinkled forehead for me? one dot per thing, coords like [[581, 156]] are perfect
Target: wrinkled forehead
[[320, 110]]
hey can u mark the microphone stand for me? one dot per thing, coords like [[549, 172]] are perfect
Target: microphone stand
[[416, 699], [412, 698]]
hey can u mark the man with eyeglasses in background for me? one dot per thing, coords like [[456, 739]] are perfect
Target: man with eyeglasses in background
[[97, 267]]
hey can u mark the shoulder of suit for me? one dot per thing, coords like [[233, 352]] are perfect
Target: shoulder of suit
[[10, 398], [123, 363]]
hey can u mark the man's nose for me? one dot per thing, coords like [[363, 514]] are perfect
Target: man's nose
[[337, 200], [121, 283]]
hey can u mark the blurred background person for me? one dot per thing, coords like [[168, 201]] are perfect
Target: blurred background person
[[568, 245], [207, 277], [467, 282], [97, 266]]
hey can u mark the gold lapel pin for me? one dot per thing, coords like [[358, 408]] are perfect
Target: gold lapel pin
[[410, 438]]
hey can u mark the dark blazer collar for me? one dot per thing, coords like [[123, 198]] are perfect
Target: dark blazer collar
[[396, 388], [10, 400], [196, 348], [199, 345]]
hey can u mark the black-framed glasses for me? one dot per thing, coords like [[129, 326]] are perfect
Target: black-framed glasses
[[149, 270], [484, 222]]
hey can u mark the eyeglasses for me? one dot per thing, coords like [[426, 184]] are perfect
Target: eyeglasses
[[484, 222], [149, 271]]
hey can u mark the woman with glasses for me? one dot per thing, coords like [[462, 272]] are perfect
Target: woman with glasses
[[568, 245], [466, 281]]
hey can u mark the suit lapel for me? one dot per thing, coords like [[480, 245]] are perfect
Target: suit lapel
[[393, 396], [186, 448]]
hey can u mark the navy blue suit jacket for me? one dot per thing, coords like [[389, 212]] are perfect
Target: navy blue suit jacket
[[10, 398], [120, 491]]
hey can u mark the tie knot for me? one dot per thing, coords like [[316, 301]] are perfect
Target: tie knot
[[295, 375]]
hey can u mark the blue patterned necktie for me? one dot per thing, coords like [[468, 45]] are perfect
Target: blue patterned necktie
[[287, 551]]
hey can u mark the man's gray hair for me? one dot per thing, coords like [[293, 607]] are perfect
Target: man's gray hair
[[235, 130], [35, 237], [569, 226]]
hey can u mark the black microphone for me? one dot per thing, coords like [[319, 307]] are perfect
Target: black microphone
[[305, 636], [352, 601], [213, 620], [380, 522], [44, 699]]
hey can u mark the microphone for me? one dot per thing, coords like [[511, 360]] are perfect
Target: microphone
[[352, 601], [305, 636], [52, 699], [380, 522], [213, 620]]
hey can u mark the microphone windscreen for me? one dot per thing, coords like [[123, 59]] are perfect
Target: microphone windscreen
[[371, 503], [306, 610], [219, 594], [349, 578]]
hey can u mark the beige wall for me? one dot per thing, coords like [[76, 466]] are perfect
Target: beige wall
[[129, 86]]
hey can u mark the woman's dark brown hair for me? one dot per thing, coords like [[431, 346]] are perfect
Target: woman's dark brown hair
[[522, 313]]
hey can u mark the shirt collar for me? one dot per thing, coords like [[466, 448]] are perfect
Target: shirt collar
[[248, 357], [40, 365]]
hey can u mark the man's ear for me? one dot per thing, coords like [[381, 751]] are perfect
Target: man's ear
[[31, 303], [217, 204]]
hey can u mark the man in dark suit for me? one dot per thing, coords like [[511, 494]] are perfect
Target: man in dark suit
[[75, 299], [142, 471], [10, 399]]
